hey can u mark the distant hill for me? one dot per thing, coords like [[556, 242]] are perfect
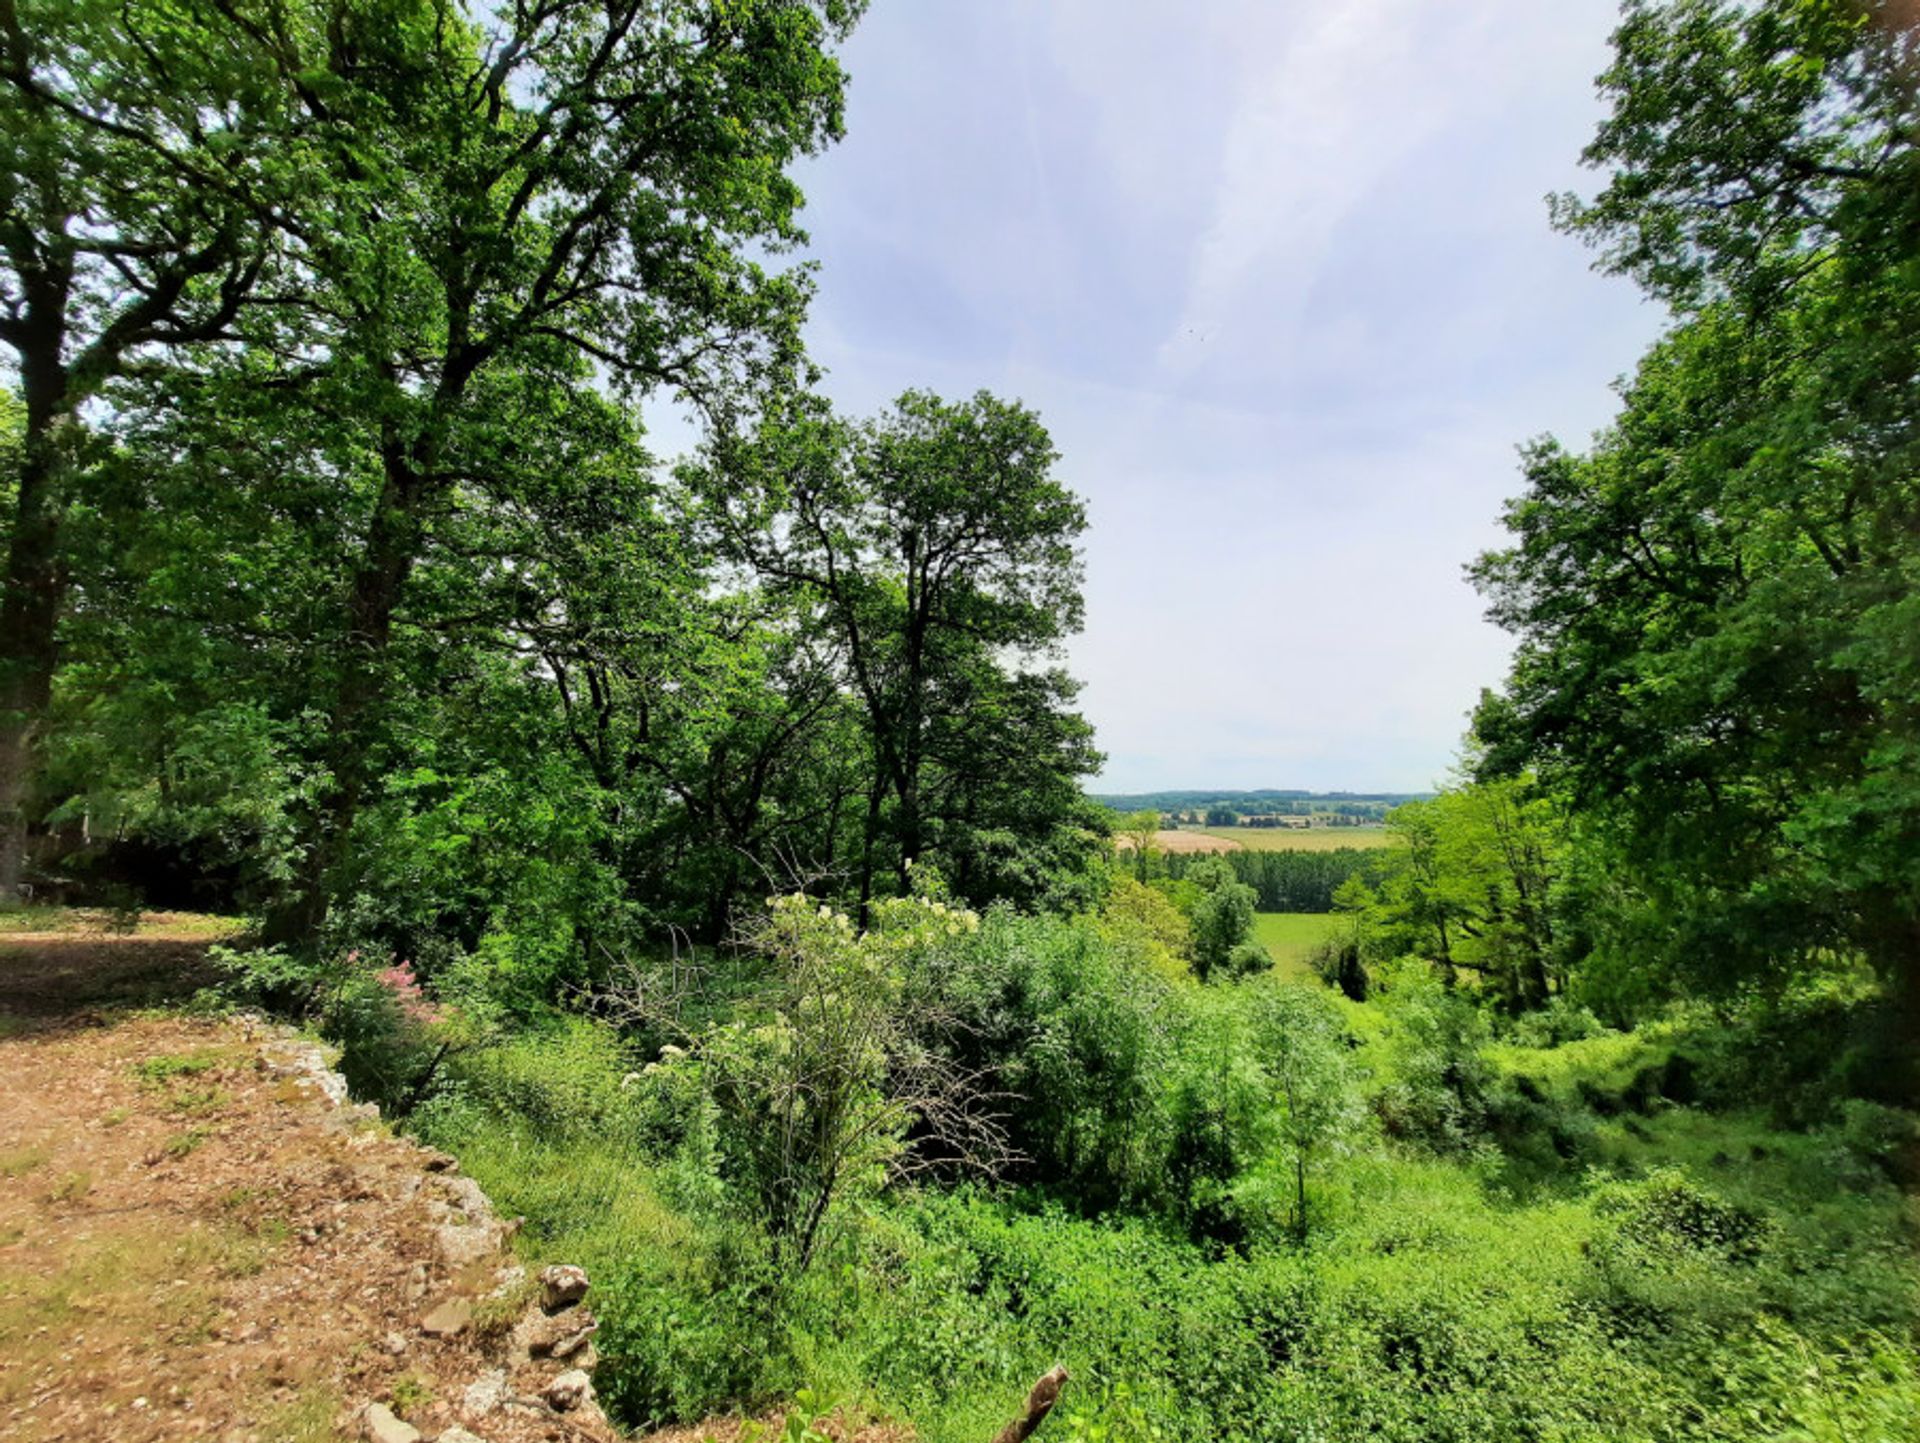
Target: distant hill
[[1265, 801]]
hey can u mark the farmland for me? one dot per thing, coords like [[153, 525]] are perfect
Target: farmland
[[1178, 842], [1294, 839]]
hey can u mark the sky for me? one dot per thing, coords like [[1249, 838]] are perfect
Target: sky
[[1279, 279]]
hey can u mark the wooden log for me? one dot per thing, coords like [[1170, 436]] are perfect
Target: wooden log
[[1039, 1403]]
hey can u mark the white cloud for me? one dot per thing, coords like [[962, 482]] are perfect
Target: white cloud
[[1059, 202]]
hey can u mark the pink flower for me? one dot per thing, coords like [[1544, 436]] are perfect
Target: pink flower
[[400, 981]]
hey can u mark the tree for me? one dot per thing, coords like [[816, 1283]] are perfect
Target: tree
[[1223, 942], [509, 217], [1717, 605], [1303, 1045], [936, 545], [1142, 831], [1471, 889], [141, 160]]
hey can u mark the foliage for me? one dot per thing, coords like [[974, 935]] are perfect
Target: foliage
[[818, 1072], [1714, 604], [394, 1039], [1222, 922]]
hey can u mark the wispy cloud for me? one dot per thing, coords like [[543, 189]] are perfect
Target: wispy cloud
[[1279, 279]]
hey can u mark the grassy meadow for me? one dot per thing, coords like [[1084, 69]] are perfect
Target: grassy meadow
[[1292, 936]]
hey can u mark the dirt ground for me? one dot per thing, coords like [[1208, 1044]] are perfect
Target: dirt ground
[[65, 963], [197, 1242]]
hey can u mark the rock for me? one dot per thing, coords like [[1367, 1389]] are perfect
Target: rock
[[561, 1286], [462, 1245], [394, 1343], [434, 1160], [560, 1335], [449, 1319], [457, 1434], [578, 1338], [485, 1394], [568, 1391], [379, 1425], [417, 1283], [466, 1195]]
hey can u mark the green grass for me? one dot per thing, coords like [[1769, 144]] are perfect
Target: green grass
[[1292, 936], [1306, 839]]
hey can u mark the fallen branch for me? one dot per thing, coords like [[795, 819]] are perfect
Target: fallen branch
[[1039, 1403]]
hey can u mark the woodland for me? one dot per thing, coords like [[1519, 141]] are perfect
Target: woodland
[[698, 848]]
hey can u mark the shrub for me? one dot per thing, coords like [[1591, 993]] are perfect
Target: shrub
[[1561, 1021], [1435, 1089], [394, 1038]]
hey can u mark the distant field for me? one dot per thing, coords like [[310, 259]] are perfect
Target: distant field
[[1292, 936], [1179, 841], [1292, 839]]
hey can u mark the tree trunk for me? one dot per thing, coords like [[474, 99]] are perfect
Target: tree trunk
[[393, 544], [35, 590]]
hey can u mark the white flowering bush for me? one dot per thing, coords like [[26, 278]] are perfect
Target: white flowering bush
[[817, 1077]]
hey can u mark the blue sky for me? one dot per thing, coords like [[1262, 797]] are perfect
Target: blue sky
[[1278, 277]]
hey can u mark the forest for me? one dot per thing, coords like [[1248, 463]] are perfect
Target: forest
[[698, 846]]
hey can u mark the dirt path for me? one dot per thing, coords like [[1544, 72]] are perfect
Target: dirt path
[[198, 1242]]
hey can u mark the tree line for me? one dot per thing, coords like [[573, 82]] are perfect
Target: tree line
[[1284, 880]]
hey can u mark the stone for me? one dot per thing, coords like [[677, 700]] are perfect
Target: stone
[[463, 1245], [485, 1394], [448, 1319], [457, 1434], [561, 1286], [569, 1344], [557, 1335], [434, 1160], [568, 1391], [466, 1195], [417, 1283], [394, 1343], [379, 1425]]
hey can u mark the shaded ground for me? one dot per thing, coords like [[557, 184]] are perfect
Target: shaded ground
[[197, 1243], [60, 963]]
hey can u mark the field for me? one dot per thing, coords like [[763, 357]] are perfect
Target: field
[[1290, 839], [1292, 936], [1178, 841]]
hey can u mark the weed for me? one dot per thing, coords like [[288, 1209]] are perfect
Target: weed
[[22, 1161], [71, 1188], [307, 1419], [409, 1394], [197, 1101], [183, 1143], [169, 1065]]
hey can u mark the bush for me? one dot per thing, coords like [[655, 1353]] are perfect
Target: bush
[[1561, 1021], [394, 1038], [1435, 1089], [1246, 959]]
